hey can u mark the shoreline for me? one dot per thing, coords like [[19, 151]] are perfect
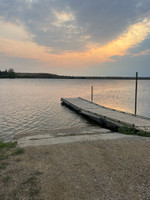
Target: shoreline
[[19, 75], [93, 169]]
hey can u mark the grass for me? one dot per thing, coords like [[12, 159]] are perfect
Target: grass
[[132, 131], [18, 151], [3, 157], [30, 186], [143, 133], [35, 138], [18, 160], [5, 152], [4, 148], [34, 192], [7, 145], [30, 180], [2, 166], [6, 179], [37, 173]]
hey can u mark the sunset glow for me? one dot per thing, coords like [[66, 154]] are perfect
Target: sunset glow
[[18, 41], [22, 47]]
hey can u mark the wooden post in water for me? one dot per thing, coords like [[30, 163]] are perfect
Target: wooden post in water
[[136, 83], [91, 93]]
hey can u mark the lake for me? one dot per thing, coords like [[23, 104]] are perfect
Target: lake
[[34, 104]]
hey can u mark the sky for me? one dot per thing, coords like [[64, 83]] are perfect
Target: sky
[[74, 37]]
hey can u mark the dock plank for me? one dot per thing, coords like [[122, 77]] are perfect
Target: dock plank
[[106, 115]]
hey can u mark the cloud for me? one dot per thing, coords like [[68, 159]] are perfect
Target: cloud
[[142, 53], [63, 17], [40, 19], [107, 19], [14, 32], [24, 47], [69, 25], [73, 34]]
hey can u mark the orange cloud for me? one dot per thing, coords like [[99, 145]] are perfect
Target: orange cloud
[[142, 53], [23, 46]]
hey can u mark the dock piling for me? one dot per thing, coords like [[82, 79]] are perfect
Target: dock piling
[[91, 93], [136, 83]]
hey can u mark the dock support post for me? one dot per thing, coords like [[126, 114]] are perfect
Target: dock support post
[[136, 93], [91, 93]]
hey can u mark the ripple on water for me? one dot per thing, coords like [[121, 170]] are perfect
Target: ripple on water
[[33, 105]]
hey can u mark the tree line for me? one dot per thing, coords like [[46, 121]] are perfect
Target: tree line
[[10, 73]]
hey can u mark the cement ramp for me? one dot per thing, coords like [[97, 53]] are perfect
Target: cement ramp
[[38, 140]]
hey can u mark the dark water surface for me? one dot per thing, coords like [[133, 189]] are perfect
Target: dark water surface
[[34, 104]]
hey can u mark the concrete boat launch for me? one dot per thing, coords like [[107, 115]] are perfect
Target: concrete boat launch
[[107, 117]]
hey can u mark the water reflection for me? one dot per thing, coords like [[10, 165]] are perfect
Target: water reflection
[[34, 104]]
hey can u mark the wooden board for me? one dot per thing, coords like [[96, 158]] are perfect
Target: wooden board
[[110, 118]]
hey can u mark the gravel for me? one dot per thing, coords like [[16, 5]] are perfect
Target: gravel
[[88, 170]]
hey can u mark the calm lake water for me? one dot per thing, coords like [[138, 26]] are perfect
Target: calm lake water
[[34, 104]]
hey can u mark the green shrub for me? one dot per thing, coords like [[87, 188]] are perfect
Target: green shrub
[[126, 130], [132, 131]]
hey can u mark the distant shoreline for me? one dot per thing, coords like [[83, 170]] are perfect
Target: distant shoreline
[[54, 76]]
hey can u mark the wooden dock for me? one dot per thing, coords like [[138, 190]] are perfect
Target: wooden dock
[[107, 117]]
